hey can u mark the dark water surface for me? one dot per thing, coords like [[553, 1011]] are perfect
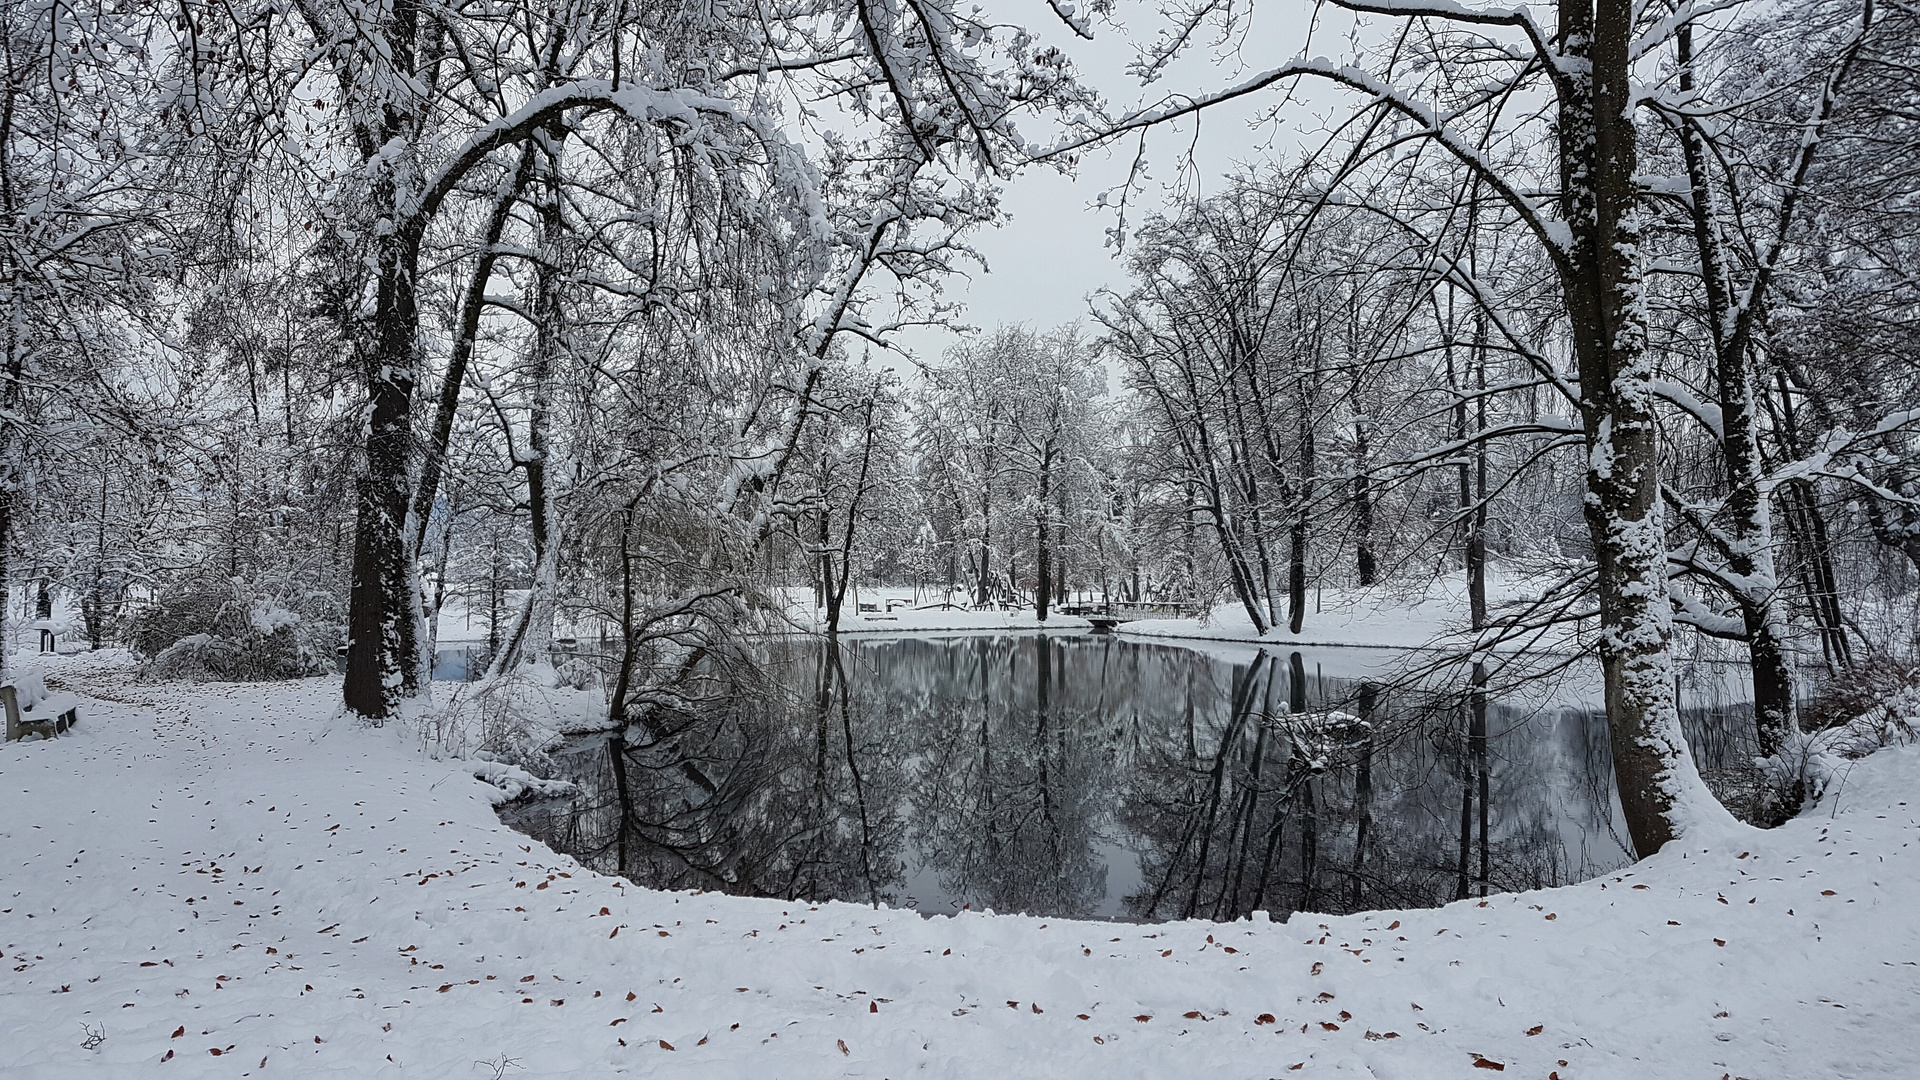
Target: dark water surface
[[1098, 776]]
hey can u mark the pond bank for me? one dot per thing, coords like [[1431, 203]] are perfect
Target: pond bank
[[236, 864]]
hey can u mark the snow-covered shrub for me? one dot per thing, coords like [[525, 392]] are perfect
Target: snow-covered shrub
[[1869, 687], [1893, 722], [236, 631], [516, 718], [1815, 765]]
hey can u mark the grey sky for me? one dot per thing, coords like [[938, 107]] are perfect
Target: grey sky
[[1051, 255]]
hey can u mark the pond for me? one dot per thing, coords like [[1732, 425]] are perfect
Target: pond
[[1097, 776]]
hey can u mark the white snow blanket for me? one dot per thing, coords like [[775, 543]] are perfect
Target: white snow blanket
[[229, 881]]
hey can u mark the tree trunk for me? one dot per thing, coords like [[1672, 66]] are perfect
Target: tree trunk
[[1297, 553], [6, 540], [1044, 586], [532, 633], [1363, 563], [1660, 791], [1749, 548], [383, 614]]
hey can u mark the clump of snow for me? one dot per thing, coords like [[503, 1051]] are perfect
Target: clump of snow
[[510, 782], [270, 615]]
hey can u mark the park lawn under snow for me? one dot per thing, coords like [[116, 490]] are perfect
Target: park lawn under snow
[[230, 881]]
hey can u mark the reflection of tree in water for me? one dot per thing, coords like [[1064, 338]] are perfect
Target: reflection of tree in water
[[751, 788], [1005, 799], [1005, 771], [1303, 793]]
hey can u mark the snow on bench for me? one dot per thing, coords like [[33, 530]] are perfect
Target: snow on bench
[[30, 708]]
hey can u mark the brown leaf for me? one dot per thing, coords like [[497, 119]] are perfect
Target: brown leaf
[[1317, 966], [604, 911], [1826, 892], [1487, 1063], [1536, 1029], [1166, 952], [618, 1022], [1329, 1025], [1084, 1016], [179, 1031], [843, 1047], [665, 1045], [446, 987], [1719, 942], [702, 1042], [874, 1007], [1551, 916], [1394, 925], [631, 995], [169, 1056], [1035, 1007], [1143, 1017], [1229, 948], [1192, 1015], [1264, 1018]]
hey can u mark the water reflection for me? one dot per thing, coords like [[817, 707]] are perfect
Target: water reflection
[[1096, 776]]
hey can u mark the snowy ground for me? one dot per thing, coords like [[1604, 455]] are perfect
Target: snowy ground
[[900, 609], [1383, 616], [896, 610], [226, 881]]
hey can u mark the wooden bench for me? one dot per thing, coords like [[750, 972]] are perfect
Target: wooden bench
[[30, 708]]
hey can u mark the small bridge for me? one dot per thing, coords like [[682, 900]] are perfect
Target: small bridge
[[1105, 617]]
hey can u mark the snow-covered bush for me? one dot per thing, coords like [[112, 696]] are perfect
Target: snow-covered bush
[[236, 631], [1886, 704], [516, 718]]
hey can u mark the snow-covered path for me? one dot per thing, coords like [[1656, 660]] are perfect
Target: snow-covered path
[[227, 882]]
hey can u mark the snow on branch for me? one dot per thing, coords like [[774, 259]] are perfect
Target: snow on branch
[[1520, 18], [642, 103], [1553, 234]]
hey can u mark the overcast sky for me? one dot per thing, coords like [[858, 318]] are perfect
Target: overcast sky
[[1050, 256]]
